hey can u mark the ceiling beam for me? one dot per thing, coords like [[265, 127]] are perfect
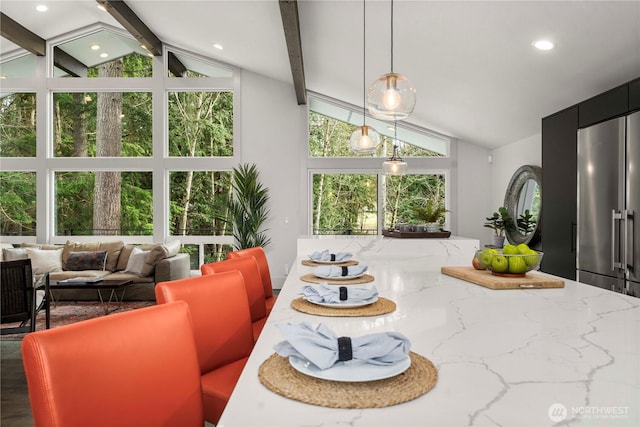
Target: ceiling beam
[[134, 25], [13, 31], [138, 29], [21, 36], [291, 25]]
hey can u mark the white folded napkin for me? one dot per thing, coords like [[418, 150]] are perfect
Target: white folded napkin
[[320, 346], [330, 294], [335, 271], [328, 256]]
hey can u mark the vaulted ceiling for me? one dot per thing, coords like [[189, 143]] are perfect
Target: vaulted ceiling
[[477, 76]]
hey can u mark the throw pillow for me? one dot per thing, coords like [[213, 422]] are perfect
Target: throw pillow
[[12, 254], [113, 248], [157, 253], [94, 260], [43, 261], [136, 261]]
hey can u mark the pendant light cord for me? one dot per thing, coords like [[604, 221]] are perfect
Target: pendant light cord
[[392, 36], [364, 62]]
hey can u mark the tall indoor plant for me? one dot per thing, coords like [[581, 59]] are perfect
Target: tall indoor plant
[[248, 208]]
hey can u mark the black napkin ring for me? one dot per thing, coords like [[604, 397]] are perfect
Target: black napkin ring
[[333, 257], [343, 293], [345, 352], [345, 271]]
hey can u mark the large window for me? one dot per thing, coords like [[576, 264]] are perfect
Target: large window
[[349, 194], [115, 147]]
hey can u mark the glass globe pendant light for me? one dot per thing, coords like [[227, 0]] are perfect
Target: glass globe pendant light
[[365, 139], [395, 165], [391, 96]]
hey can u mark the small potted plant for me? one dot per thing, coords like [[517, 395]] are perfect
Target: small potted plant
[[431, 214], [499, 222]]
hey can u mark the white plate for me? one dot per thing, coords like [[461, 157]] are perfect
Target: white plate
[[343, 304], [330, 262], [351, 371], [339, 277]]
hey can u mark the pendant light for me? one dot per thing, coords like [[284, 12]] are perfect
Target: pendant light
[[395, 165], [365, 139], [391, 96]]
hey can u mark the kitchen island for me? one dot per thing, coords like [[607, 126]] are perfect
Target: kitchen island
[[526, 357]]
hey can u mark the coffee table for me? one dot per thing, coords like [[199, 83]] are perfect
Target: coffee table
[[106, 285]]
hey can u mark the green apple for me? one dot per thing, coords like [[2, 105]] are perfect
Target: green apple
[[523, 249], [517, 265], [487, 255], [510, 249], [532, 258], [499, 263]]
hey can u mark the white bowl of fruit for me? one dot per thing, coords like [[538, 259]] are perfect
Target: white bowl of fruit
[[511, 261]]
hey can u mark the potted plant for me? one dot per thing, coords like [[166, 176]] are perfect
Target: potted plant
[[526, 222], [499, 222], [248, 208], [431, 214]]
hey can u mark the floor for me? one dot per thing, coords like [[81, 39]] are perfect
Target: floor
[[15, 410]]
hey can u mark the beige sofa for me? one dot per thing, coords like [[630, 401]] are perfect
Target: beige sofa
[[145, 265]]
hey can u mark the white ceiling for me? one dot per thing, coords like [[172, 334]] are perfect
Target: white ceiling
[[476, 74]]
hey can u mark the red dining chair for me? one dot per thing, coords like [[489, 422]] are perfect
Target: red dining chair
[[134, 368], [253, 283], [221, 328], [261, 258]]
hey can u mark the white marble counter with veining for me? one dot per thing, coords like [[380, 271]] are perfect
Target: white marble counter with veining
[[538, 357]]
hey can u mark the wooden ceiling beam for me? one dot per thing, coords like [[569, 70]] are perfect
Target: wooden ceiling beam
[[138, 29], [21, 36], [291, 25], [28, 40]]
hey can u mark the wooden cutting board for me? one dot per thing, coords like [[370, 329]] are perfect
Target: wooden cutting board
[[484, 278]]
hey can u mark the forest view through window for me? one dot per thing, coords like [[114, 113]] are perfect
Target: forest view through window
[[106, 146]]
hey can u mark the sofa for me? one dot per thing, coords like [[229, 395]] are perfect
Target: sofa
[[145, 265]]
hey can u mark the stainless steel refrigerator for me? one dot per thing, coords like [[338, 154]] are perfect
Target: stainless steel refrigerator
[[608, 229]]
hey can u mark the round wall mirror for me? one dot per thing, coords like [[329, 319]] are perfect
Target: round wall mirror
[[523, 201]]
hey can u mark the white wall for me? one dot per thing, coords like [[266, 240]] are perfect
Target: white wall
[[274, 129], [474, 192]]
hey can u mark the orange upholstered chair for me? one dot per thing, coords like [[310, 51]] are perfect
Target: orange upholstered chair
[[222, 331], [134, 368], [248, 266], [261, 258]]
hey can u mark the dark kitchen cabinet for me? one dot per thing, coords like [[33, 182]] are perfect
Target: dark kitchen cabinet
[[605, 106], [634, 95], [559, 183]]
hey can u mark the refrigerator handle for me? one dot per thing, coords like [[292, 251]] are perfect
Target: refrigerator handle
[[628, 231], [614, 216]]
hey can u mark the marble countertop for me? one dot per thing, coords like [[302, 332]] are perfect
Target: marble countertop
[[539, 357]]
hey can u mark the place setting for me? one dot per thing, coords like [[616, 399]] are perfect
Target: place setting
[[339, 274], [313, 365], [341, 301], [325, 257]]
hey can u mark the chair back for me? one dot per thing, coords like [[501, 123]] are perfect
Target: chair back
[[261, 258], [17, 299], [134, 368], [248, 266], [220, 312]]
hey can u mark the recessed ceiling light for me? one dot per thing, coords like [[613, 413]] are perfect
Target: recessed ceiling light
[[543, 44], [42, 8], [95, 47], [104, 55], [218, 46]]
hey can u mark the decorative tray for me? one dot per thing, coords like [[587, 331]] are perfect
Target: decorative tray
[[417, 234]]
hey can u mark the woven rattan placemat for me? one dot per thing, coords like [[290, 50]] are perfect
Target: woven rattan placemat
[[382, 306], [312, 278], [279, 376], [310, 263]]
